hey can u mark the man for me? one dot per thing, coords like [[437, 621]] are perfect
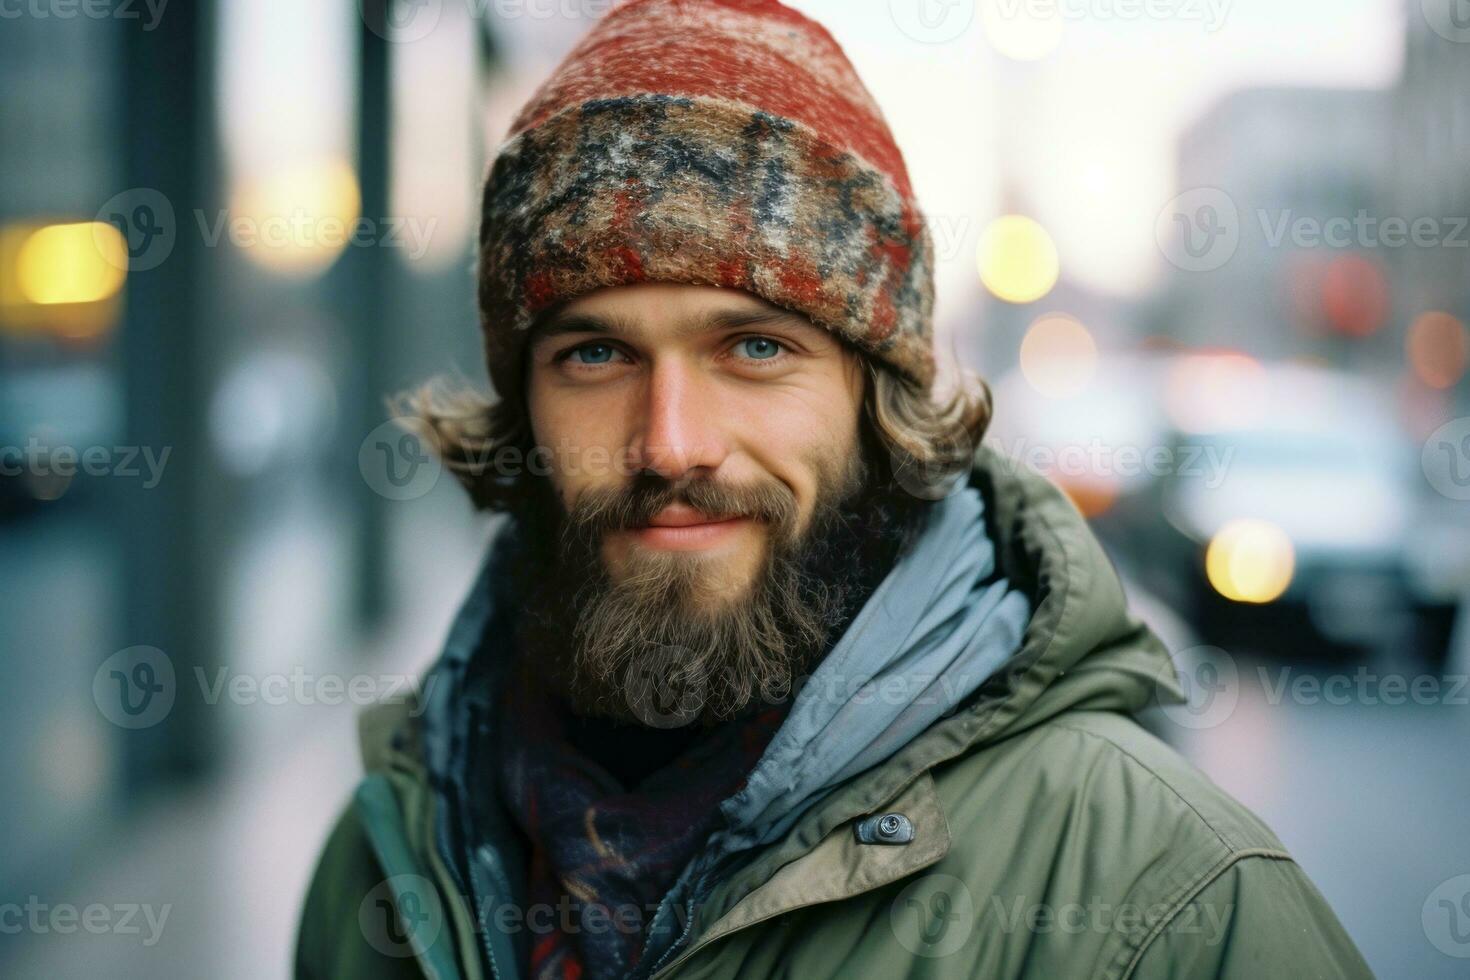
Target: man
[[747, 687]]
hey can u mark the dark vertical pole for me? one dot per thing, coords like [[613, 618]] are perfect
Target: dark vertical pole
[[365, 279], [172, 555]]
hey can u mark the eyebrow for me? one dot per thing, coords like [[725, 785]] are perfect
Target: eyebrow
[[559, 324]]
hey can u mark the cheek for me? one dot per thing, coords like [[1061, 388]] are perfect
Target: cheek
[[796, 435], [582, 435]]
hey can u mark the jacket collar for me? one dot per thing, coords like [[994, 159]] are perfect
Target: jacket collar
[[1081, 649]]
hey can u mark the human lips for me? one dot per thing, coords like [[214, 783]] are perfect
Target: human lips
[[679, 527]]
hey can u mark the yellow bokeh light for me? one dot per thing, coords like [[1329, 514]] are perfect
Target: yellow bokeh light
[[1058, 356], [1017, 259], [297, 221], [83, 262], [1250, 561]]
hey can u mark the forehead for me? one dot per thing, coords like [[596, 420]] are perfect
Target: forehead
[[665, 310]]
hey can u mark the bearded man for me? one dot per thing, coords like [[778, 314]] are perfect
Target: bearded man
[[769, 670]]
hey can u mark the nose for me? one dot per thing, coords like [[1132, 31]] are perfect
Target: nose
[[679, 432]]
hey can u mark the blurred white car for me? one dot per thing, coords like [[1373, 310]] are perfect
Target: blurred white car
[[1274, 505], [1315, 509]]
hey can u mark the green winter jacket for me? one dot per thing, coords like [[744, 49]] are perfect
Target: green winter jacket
[[1052, 836]]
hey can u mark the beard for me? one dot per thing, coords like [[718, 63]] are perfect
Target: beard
[[664, 644]]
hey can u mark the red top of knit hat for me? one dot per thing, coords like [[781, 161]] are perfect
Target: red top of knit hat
[[758, 52]]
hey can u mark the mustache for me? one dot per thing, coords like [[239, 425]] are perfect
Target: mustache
[[619, 508]]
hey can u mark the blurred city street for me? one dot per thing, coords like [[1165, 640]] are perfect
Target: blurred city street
[[1330, 778], [1213, 261]]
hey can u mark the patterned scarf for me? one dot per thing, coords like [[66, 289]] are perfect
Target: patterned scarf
[[602, 855]]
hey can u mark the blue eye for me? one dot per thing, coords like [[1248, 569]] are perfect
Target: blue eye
[[758, 348], [593, 354]]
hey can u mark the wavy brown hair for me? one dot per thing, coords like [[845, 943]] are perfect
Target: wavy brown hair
[[921, 444]]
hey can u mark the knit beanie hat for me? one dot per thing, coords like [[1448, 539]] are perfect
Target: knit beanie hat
[[714, 142]]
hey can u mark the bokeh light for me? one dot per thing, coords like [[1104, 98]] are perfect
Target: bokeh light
[[1093, 496], [1250, 560], [1437, 349], [84, 262], [1018, 259], [297, 220], [1354, 295], [1215, 391], [1058, 356]]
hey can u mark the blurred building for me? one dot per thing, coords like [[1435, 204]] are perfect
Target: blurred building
[[1280, 163], [228, 384], [1429, 179], [61, 567], [1429, 146]]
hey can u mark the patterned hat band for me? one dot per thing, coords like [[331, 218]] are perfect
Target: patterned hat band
[[701, 190]]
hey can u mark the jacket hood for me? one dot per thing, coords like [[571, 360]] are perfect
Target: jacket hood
[[940, 624], [1081, 649]]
